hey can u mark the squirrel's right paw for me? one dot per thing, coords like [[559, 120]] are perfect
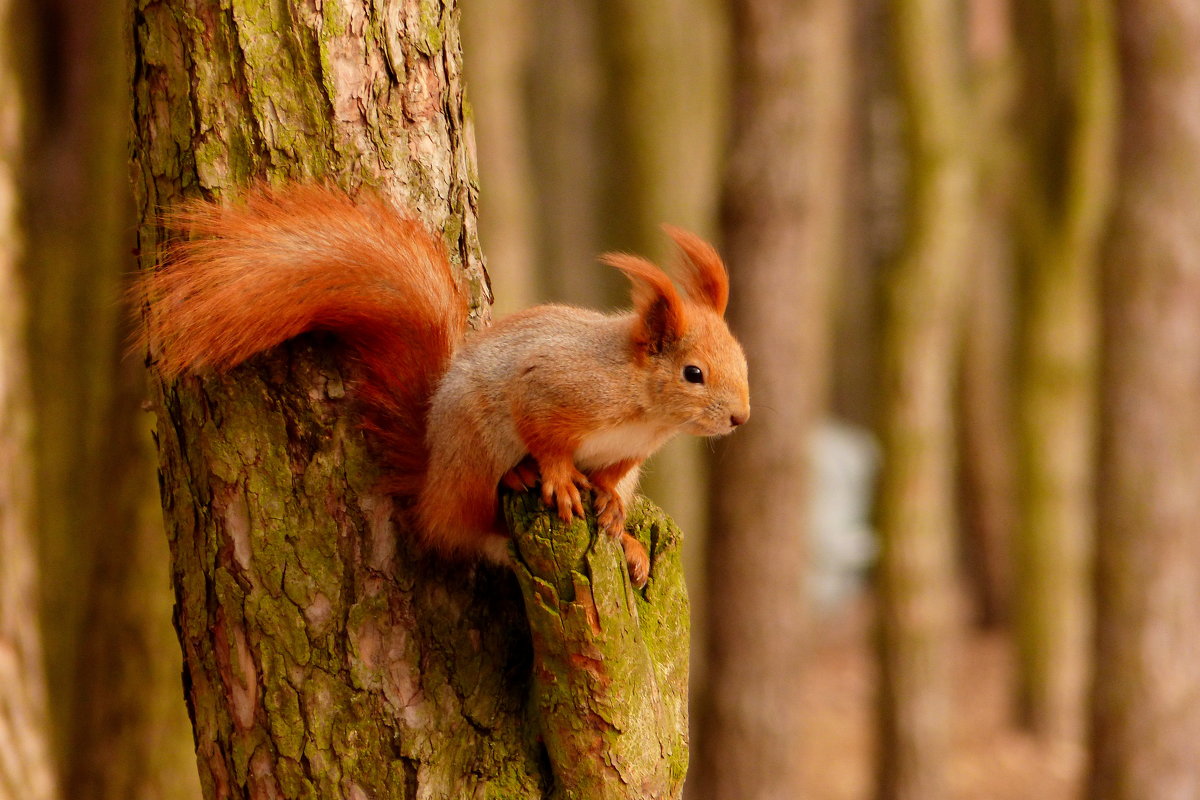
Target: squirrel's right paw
[[561, 486]]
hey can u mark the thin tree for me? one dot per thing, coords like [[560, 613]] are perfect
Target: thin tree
[[1067, 97], [324, 655], [26, 765], [105, 595], [1145, 712], [923, 298], [782, 217]]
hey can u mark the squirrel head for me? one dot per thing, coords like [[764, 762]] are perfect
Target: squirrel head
[[696, 368]]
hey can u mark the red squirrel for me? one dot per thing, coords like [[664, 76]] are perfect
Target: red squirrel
[[570, 397]]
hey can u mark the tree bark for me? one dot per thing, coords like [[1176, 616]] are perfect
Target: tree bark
[[1068, 97], [325, 654], [782, 218], [26, 766], [1145, 706], [923, 298]]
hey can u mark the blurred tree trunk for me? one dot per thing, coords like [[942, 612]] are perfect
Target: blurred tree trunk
[[497, 38], [782, 209], [1068, 113], [324, 655], [987, 458], [923, 299], [26, 765], [119, 732], [1145, 713], [569, 148], [665, 107]]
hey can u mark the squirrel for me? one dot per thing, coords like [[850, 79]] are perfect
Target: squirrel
[[569, 397]]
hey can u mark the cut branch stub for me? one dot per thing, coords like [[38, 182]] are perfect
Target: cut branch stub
[[609, 686]]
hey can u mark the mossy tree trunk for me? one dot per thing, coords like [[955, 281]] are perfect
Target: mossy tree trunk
[[1145, 712], [1068, 97], [924, 291], [325, 656], [782, 209]]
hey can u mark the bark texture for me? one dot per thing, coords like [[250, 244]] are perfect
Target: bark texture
[[1068, 128], [782, 220], [1146, 701], [325, 657], [923, 297], [26, 767]]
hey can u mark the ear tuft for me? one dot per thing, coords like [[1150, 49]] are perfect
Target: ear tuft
[[700, 269], [662, 319]]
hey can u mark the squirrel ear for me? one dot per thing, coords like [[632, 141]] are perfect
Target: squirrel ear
[[661, 317], [700, 269]]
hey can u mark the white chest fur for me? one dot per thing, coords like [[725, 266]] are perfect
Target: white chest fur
[[631, 440]]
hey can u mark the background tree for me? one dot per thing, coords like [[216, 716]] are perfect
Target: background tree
[[782, 216], [1145, 716], [119, 731], [324, 656], [921, 321], [986, 451], [1067, 98], [26, 765]]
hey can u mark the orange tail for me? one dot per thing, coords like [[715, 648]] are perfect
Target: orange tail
[[284, 262]]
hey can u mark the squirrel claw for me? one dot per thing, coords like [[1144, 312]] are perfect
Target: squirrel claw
[[560, 491], [636, 559]]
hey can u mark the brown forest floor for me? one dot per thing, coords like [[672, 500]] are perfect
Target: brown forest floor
[[992, 759]]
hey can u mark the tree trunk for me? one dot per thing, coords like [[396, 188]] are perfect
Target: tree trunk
[[325, 655], [1145, 712], [923, 298], [498, 38], [119, 732], [987, 465], [1068, 138], [568, 121], [783, 223], [665, 103], [26, 768]]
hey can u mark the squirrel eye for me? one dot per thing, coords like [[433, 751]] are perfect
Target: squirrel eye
[[693, 374]]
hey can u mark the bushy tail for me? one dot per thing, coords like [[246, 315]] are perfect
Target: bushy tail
[[283, 262]]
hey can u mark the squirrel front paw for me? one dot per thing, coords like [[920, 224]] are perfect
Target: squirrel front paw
[[561, 486]]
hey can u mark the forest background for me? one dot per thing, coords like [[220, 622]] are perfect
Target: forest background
[[965, 258]]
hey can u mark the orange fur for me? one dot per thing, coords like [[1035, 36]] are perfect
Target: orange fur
[[280, 263], [661, 316], [582, 394], [700, 269]]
